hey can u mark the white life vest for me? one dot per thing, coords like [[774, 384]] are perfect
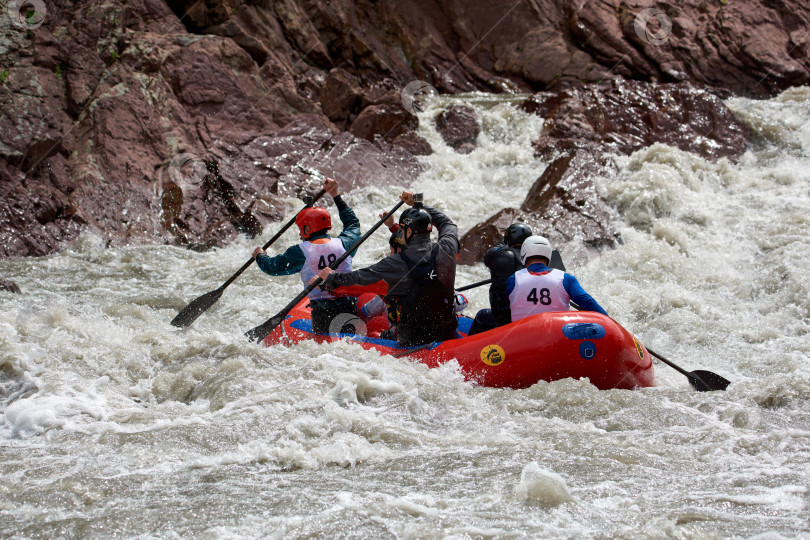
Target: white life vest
[[319, 255], [538, 293]]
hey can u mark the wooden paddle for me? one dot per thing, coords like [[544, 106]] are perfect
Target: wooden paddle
[[260, 332], [700, 379], [196, 308]]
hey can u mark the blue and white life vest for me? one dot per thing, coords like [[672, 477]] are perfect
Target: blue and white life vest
[[319, 255], [538, 292]]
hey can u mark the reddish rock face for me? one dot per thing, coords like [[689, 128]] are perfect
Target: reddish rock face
[[237, 188], [387, 121], [413, 143], [98, 101], [624, 116], [340, 97], [561, 205], [153, 134]]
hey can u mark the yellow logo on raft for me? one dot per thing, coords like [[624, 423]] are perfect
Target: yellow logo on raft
[[492, 355], [639, 350]]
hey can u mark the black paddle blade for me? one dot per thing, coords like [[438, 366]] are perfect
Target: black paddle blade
[[260, 332], [196, 308], [707, 381], [700, 379], [556, 261]]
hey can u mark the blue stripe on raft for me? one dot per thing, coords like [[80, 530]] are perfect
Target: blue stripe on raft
[[464, 324], [583, 331], [305, 325]]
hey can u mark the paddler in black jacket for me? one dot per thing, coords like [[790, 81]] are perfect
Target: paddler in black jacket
[[421, 277], [503, 260]]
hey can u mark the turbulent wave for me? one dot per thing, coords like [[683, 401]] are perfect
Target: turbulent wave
[[113, 422]]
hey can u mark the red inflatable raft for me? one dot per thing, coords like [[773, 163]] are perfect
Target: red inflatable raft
[[546, 347]]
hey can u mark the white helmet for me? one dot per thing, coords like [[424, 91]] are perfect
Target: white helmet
[[535, 246]]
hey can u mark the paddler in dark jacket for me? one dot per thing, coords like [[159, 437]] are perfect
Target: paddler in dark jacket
[[421, 277], [503, 260]]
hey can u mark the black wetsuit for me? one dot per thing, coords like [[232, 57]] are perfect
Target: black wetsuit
[[421, 305], [502, 262]]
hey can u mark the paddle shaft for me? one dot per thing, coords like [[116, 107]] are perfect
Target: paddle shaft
[[667, 362], [415, 349], [260, 332], [474, 285]]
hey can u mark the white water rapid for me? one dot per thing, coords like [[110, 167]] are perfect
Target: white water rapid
[[115, 424]]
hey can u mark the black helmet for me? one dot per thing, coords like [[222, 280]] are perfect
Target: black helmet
[[516, 233], [397, 241], [417, 220]]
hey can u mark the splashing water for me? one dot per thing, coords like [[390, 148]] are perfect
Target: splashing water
[[113, 422]]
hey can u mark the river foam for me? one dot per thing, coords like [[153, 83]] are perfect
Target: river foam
[[113, 422]]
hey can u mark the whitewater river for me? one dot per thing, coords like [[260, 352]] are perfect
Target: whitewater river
[[115, 424]]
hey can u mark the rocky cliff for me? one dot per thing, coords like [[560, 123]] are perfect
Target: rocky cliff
[[182, 121]]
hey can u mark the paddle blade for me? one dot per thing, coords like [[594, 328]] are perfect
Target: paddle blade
[[260, 332], [556, 261], [196, 308], [707, 381]]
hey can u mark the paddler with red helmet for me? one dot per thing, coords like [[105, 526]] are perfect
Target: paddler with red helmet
[[317, 251]]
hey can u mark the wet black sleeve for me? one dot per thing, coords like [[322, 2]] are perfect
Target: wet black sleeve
[[502, 263]]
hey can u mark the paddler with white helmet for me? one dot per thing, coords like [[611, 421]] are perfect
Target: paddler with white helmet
[[540, 289]]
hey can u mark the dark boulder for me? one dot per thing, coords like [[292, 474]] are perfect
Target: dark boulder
[[623, 116], [562, 205], [9, 286], [340, 97], [458, 126]]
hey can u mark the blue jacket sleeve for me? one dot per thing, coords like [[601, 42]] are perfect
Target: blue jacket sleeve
[[578, 295], [289, 262], [510, 285]]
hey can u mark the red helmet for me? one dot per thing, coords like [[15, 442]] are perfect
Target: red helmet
[[317, 219]]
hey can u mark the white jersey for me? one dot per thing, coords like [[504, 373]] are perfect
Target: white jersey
[[538, 293], [319, 256]]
